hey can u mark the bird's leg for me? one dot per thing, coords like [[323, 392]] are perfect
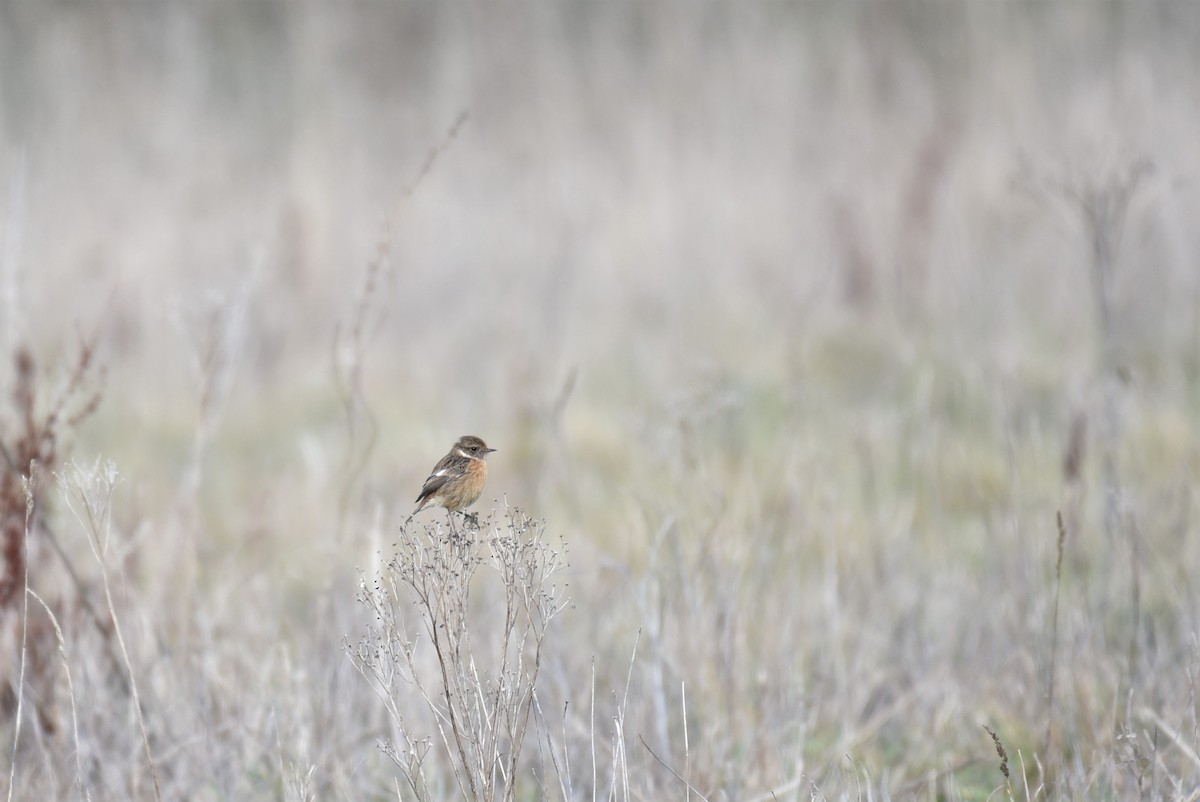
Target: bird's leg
[[472, 518]]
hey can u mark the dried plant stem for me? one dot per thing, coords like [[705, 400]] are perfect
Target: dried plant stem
[[1062, 537], [690, 788], [62, 650], [592, 728], [349, 350], [29, 506], [456, 728], [480, 707], [562, 769], [621, 756], [1187, 750], [85, 601], [133, 689], [91, 489], [1003, 754], [687, 749], [1101, 196], [1135, 601]]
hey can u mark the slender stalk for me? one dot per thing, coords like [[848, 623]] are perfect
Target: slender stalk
[[1062, 537]]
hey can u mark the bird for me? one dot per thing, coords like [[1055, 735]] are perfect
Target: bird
[[457, 479]]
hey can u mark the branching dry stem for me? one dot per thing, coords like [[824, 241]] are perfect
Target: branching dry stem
[[480, 707]]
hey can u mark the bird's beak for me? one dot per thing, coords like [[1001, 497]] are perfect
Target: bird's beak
[[490, 450]]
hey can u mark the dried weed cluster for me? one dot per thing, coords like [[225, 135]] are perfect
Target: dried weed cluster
[[478, 681]]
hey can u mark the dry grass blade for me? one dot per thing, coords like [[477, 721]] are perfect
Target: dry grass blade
[[1151, 717], [1062, 537], [87, 493], [690, 788], [752, 310], [29, 506]]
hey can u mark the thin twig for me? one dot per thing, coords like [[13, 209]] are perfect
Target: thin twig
[[1151, 717], [435, 154], [592, 718], [98, 521], [62, 650], [348, 372], [678, 776], [1062, 537], [29, 503], [687, 751], [84, 598]]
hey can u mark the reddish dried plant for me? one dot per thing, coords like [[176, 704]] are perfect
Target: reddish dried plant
[[35, 438], [30, 438]]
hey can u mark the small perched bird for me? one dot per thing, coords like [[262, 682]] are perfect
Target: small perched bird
[[457, 480]]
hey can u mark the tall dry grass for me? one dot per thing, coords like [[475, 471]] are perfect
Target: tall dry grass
[[800, 324]]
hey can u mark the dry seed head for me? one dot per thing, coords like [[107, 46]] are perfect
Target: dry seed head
[[999, 751]]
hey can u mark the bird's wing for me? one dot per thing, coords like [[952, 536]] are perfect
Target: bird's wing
[[449, 467], [433, 484]]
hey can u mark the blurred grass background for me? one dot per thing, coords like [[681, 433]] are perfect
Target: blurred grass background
[[780, 313]]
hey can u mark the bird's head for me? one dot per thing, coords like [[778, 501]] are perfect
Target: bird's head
[[473, 447]]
